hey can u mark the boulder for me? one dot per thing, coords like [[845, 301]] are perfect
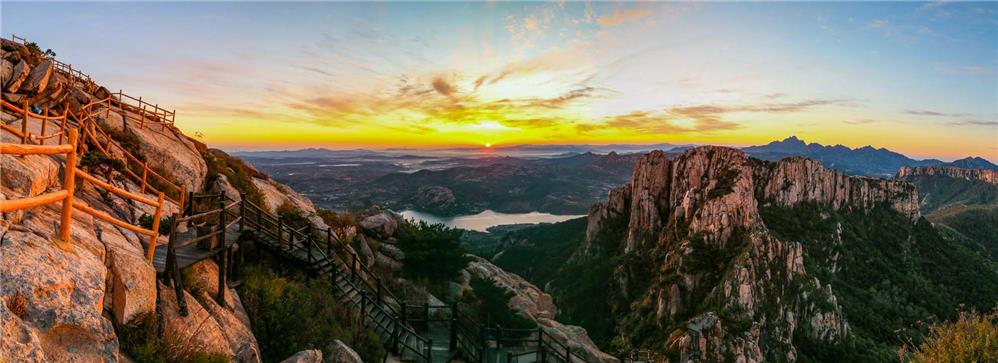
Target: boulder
[[383, 224], [339, 352], [134, 286], [63, 294], [222, 185], [237, 332], [18, 75], [6, 72], [190, 334], [276, 194], [39, 78], [305, 356]]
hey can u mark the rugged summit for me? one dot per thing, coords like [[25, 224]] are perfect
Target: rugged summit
[[697, 218]]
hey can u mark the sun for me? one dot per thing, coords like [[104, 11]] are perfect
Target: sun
[[488, 145]]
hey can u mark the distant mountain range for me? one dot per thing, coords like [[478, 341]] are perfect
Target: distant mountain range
[[866, 160]]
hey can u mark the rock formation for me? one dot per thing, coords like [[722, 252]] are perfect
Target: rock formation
[[534, 304], [984, 175], [697, 217]]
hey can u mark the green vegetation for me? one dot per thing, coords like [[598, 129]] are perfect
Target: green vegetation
[[971, 338], [890, 275], [143, 342], [289, 315], [292, 216], [236, 171], [491, 302], [432, 252], [581, 288], [145, 221], [96, 163], [336, 220], [538, 252]]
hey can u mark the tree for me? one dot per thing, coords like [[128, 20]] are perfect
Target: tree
[[972, 338], [431, 251]]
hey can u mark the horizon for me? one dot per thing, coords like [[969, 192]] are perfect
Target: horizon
[[920, 79]]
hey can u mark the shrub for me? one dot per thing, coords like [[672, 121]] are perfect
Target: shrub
[[288, 316], [143, 342], [145, 221], [95, 162], [237, 172], [432, 251], [971, 338], [336, 220], [292, 216], [492, 304]]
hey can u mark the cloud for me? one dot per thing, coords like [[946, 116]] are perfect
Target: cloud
[[932, 113], [698, 118], [623, 15], [443, 87], [975, 123], [864, 121]]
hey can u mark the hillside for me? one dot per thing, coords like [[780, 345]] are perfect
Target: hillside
[[755, 260], [962, 203]]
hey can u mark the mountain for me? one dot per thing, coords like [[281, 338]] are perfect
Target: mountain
[[732, 258], [960, 202], [866, 160]]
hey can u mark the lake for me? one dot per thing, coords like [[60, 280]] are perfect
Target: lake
[[482, 221]]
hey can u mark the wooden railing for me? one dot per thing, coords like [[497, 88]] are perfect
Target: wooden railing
[[44, 118], [74, 75], [69, 182], [109, 147], [148, 112], [71, 172]]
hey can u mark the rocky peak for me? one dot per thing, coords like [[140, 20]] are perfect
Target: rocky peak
[[797, 179], [984, 175], [696, 217]]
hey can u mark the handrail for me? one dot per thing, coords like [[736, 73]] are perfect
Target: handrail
[[69, 181], [92, 130]]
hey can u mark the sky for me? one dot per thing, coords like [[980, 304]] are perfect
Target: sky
[[917, 78]]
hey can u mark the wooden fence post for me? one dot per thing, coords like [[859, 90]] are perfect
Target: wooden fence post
[[63, 127], [155, 228], [142, 115], [242, 211], [44, 122], [224, 255], [24, 123], [69, 184], [145, 172]]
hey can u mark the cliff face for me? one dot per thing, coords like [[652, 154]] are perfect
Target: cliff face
[[984, 175], [701, 259]]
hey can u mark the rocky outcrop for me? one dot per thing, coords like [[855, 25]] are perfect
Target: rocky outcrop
[[339, 352], [696, 218], [534, 304], [796, 179], [305, 356], [18, 74], [196, 332], [382, 224], [38, 79], [276, 194], [983, 175]]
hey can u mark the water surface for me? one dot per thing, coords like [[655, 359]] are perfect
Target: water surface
[[482, 221]]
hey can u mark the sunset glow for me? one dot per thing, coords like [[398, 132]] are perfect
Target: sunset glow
[[918, 78]]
